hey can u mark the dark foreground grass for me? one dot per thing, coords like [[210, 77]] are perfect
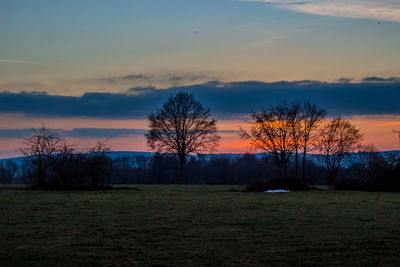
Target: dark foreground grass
[[198, 225]]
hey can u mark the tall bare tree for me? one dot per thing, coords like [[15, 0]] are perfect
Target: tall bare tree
[[182, 126], [312, 115], [305, 118], [271, 132], [285, 130], [40, 148], [337, 139], [296, 118]]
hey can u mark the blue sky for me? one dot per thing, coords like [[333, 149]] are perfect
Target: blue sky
[[62, 46], [62, 51]]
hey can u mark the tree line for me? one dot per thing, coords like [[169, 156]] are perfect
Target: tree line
[[182, 127], [367, 170]]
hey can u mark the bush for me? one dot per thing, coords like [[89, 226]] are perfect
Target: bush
[[380, 175]]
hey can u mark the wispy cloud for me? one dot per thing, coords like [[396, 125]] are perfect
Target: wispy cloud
[[129, 77], [170, 79], [362, 9], [15, 61]]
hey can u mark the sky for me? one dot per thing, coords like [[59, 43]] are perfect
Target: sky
[[95, 69]]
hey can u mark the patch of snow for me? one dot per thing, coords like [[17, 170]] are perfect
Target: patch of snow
[[277, 191]]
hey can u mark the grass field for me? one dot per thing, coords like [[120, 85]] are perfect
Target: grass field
[[198, 225]]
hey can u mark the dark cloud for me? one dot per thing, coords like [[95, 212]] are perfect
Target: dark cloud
[[188, 77], [135, 77], [86, 132], [374, 79], [77, 132], [129, 77], [102, 132], [15, 133], [141, 89], [229, 131], [226, 100], [345, 80], [170, 78]]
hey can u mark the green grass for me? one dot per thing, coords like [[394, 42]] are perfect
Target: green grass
[[198, 225]]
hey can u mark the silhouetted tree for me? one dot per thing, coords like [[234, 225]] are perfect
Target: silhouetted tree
[[271, 132], [296, 117], [311, 117], [182, 126], [98, 165], [337, 139], [40, 148]]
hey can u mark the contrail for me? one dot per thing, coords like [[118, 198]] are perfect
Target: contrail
[[15, 61]]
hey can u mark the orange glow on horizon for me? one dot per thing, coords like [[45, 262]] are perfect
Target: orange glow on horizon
[[378, 130]]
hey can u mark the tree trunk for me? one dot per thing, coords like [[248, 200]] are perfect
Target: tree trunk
[[303, 173], [41, 176], [182, 171], [332, 177], [297, 161]]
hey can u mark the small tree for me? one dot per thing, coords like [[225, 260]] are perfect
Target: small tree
[[182, 126], [98, 164], [40, 148], [337, 139]]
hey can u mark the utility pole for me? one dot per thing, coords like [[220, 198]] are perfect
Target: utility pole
[[397, 132]]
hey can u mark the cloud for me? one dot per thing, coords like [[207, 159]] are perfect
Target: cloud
[[360, 9], [102, 132], [141, 89], [191, 77], [129, 77], [374, 79], [15, 61], [226, 100], [77, 132], [344, 80], [86, 132], [172, 79], [15, 133]]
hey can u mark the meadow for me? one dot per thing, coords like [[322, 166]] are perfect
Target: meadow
[[154, 225]]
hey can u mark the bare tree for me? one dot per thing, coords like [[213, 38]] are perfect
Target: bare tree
[[296, 118], [98, 164], [271, 132], [182, 126], [40, 148], [305, 119], [311, 117], [337, 139]]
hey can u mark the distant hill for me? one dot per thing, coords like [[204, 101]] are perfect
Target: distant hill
[[17, 160], [316, 158]]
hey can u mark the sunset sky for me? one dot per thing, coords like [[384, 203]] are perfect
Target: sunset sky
[[95, 69]]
